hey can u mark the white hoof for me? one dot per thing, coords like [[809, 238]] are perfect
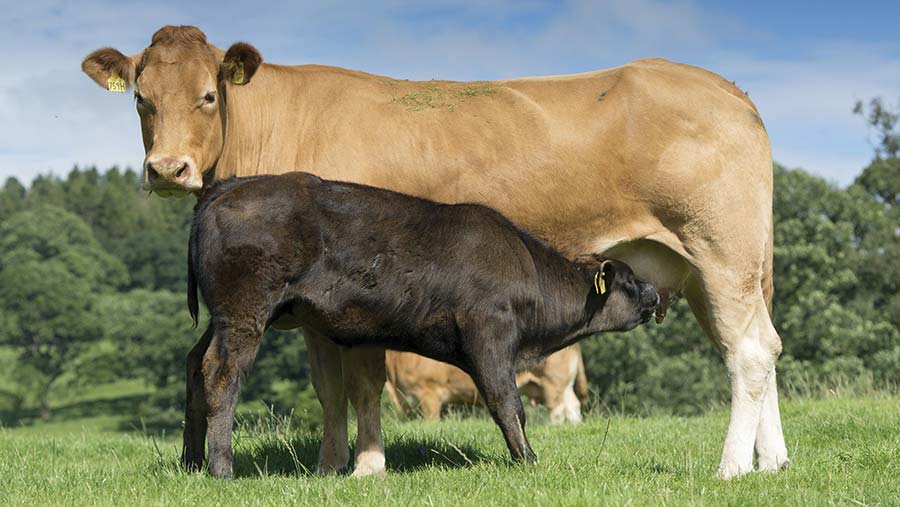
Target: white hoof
[[732, 470], [369, 463], [773, 465]]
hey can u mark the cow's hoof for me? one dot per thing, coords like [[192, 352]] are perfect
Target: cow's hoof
[[323, 469], [223, 472], [776, 465], [729, 471], [369, 463]]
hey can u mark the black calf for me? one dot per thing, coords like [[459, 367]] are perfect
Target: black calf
[[370, 267]]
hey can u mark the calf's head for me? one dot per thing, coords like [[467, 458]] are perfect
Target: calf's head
[[179, 84], [619, 300]]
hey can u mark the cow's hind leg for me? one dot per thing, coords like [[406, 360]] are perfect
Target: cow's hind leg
[[364, 376], [327, 380], [229, 357], [771, 451], [733, 310], [194, 449]]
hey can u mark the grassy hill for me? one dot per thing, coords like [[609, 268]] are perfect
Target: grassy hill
[[844, 452]]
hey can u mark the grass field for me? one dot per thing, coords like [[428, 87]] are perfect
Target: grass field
[[844, 452]]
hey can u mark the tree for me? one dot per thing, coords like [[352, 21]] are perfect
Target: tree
[[12, 198], [886, 122], [51, 270]]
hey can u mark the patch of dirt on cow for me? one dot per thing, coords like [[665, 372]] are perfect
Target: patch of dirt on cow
[[443, 97]]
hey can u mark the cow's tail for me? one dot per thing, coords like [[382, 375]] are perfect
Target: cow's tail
[[399, 404], [581, 383], [192, 300]]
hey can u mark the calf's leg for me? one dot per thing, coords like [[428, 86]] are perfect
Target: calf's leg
[[229, 357], [364, 376], [326, 373], [497, 383], [194, 449]]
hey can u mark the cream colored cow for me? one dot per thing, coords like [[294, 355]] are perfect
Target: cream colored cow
[[419, 385], [665, 166]]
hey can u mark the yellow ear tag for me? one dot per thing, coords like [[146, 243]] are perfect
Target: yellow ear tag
[[238, 76], [116, 84], [599, 282]]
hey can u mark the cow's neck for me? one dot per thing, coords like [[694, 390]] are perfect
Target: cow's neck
[[265, 124]]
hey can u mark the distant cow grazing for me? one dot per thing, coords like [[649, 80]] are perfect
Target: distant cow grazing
[[664, 166], [371, 267], [418, 385]]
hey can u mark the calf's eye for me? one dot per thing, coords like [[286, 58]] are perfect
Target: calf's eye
[[209, 98]]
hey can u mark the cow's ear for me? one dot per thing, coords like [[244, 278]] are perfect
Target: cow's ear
[[240, 63], [111, 69]]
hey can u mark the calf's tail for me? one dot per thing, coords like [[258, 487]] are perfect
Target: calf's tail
[[192, 301]]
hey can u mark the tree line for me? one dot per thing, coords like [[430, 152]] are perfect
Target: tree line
[[93, 279]]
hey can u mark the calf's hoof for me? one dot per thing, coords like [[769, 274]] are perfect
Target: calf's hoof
[[221, 471], [191, 462], [528, 458], [369, 463]]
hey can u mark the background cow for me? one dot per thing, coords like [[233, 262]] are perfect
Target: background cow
[[419, 385], [665, 166]]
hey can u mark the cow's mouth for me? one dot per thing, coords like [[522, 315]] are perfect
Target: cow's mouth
[[166, 192]]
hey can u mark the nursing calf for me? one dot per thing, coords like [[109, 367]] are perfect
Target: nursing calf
[[371, 267]]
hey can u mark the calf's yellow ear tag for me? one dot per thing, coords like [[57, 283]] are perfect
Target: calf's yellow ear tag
[[238, 76], [116, 84], [599, 282]]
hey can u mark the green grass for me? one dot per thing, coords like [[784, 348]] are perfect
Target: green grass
[[844, 452]]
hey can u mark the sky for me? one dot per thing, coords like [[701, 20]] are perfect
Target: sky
[[804, 64]]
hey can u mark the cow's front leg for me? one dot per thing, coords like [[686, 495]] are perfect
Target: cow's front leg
[[325, 370], [364, 377]]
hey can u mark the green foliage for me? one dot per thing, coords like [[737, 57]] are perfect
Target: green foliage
[[885, 120], [51, 269]]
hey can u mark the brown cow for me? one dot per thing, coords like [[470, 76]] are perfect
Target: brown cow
[[419, 385], [665, 166]]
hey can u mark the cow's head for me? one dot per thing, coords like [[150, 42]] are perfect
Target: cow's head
[[618, 299], [179, 84]]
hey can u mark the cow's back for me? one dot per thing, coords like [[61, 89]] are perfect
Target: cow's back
[[558, 155]]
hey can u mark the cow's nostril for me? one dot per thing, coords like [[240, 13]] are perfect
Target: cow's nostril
[[151, 173], [180, 172]]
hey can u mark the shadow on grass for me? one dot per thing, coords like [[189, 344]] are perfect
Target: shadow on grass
[[297, 455]]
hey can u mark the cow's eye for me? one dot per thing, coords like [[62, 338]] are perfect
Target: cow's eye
[[209, 98], [139, 99]]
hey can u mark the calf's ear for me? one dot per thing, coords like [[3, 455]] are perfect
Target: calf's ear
[[240, 63], [603, 277], [111, 69]]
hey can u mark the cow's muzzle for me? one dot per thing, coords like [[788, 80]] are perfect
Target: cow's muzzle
[[171, 176]]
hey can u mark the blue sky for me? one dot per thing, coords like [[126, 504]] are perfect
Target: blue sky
[[803, 63]]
